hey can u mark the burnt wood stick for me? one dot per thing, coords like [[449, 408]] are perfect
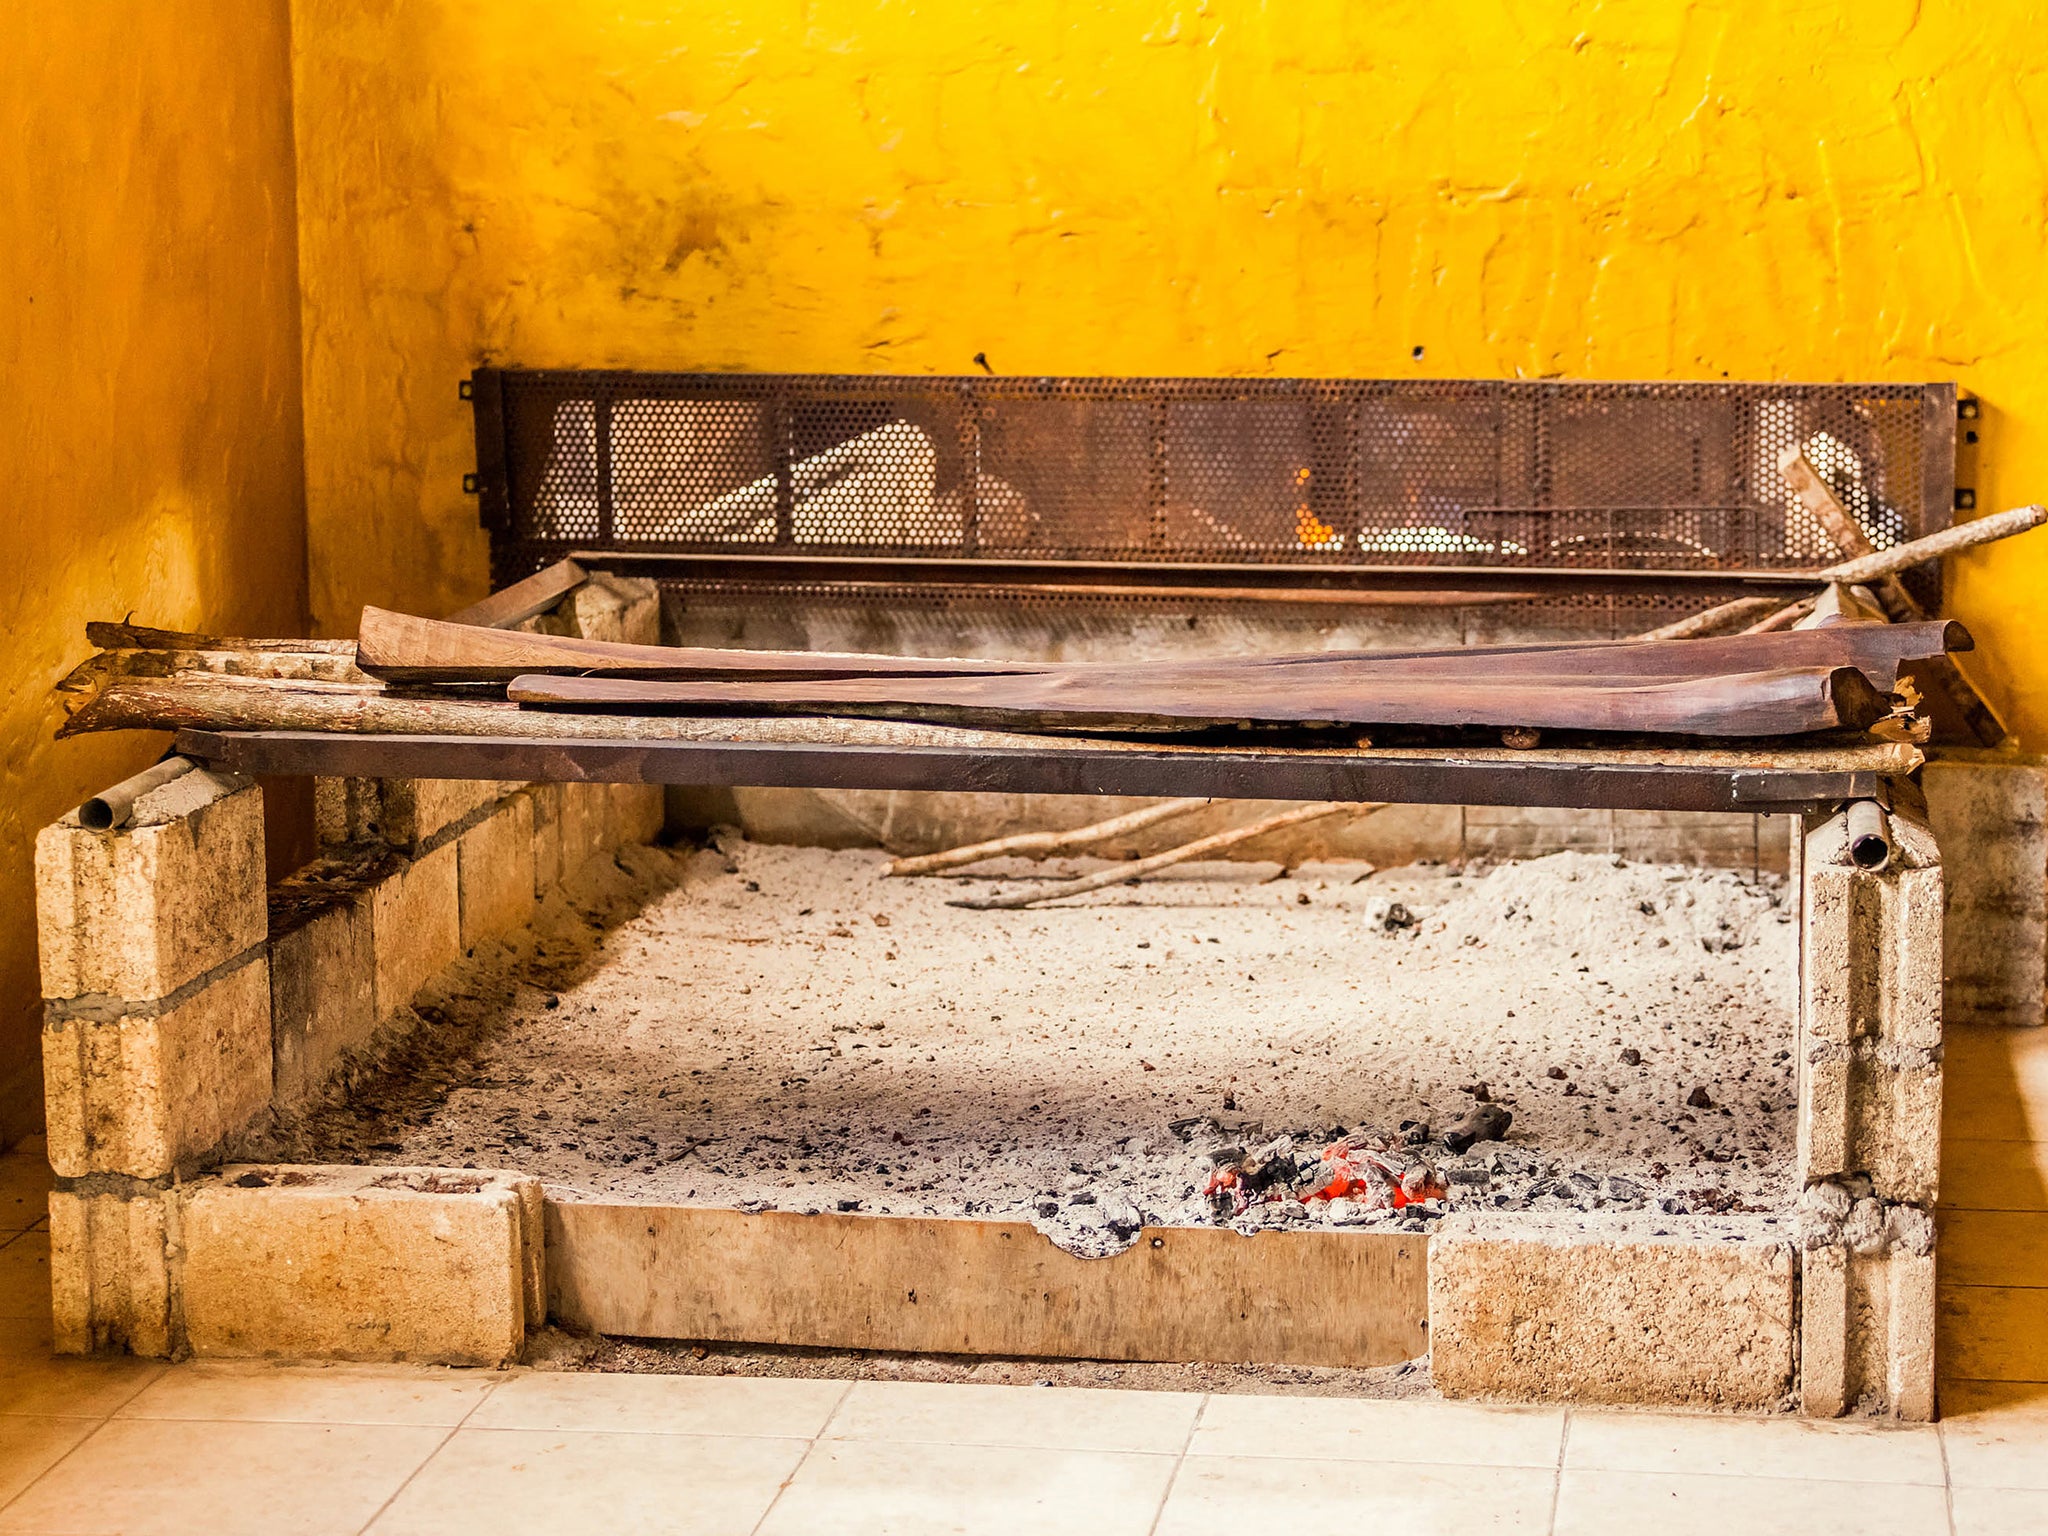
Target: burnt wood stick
[[1723, 618], [1820, 501], [118, 637], [1042, 843], [1133, 869]]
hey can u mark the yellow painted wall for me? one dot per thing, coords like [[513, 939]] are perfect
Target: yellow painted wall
[[1756, 190], [149, 417]]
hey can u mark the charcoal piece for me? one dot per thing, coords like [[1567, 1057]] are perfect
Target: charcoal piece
[[1483, 1122]]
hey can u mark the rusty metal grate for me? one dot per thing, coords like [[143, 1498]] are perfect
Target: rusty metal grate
[[746, 479]]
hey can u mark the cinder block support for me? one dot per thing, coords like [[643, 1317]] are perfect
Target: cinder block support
[[1990, 815], [1869, 1135], [156, 1039], [428, 1264]]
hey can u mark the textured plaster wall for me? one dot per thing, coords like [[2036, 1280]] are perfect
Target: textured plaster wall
[[1761, 190], [149, 441]]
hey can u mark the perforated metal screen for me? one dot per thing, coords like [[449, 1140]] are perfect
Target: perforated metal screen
[[1312, 474]]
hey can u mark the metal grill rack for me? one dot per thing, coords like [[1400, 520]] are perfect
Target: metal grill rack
[[1602, 499]]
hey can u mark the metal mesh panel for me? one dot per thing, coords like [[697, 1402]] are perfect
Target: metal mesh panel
[[1298, 473]]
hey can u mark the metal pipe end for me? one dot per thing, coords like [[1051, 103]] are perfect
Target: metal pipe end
[[1870, 835]]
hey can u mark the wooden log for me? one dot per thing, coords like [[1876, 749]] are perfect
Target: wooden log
[[1134, 869], [934, 1285], [1819, 499], [1040, 844]]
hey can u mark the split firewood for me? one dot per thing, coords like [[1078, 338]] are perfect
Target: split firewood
[[1039, 844], [1821, 503], [1137, 868]]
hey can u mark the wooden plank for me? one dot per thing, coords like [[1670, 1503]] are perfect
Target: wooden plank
[[1789, 701], [523, 599], [1995, 1083], [985, 1287], [1995, 1248], [1993, 1333]]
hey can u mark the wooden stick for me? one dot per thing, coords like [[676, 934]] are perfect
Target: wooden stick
[[1039, 843], [123, 637], [1721, 619], [1783, 618], [1950, 541], [1133, 869]]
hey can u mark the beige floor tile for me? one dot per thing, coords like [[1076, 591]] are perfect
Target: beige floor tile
[[1320, 1428], [507, 1482], [673, 1405], [1049, 1418], [143, 1478], [2000, 1511], [851, 1488], [1997, 1434], [24, 1186], [313, 1394], [1254, 1495], [1794, 1448], [25, 1275], [34, 1381], [29, 1447], [1612, 1503]]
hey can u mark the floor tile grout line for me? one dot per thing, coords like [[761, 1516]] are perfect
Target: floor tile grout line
[[810, 1448], [1948, 1485], [439, 1446], [1173, 1477], [1564, 1441]]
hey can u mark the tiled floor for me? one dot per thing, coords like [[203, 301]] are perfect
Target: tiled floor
[[131, 1447]]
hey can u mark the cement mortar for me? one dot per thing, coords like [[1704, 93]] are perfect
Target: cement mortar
[[779, 1027]]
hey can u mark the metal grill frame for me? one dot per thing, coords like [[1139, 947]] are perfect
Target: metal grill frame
[[1530, 419]]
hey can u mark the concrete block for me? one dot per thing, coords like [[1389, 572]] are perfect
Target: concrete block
[[586, 825], [323, 992], [138, 912], [1870, 1018], [146, 1093], [546, 800], [1991, 820], [426, 1264], [1866, 1333], [1650, 1312], [110, 1273], [415, 926], [495, 872], [407, 814], [637, 813]]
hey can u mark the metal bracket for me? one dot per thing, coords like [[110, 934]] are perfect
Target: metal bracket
[[471, 485], [1967, 408], [1966, 499], [466, 390]]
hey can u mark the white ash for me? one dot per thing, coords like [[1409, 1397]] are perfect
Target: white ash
[[784, 1027]]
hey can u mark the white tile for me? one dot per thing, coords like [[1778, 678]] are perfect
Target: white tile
[[1997, 1434], [1749, 1447], [1636, 1503], [1255, 1495], [2000, 1511], [1047, 1418], [1354, 1429], [675, 1405], [867, 1488], [29, 1447], [312, 1394], [510, 1482], [34, 1381], [156, 1478]]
